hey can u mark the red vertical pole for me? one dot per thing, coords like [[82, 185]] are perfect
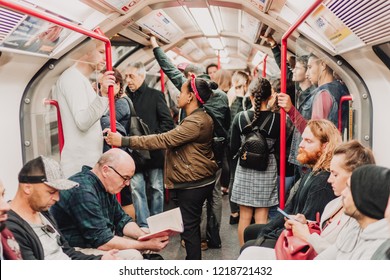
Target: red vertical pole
[[283, 87], [264, 74], [111, 100], [162, 80]]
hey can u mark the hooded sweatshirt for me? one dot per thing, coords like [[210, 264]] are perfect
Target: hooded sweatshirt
[[358, 243]]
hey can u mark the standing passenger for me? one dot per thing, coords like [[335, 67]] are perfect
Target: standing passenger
[[122, 115], [218, 108], [150, 106], [255, 191], [189, 167], [326, 97], [211, 69], [81, 109]]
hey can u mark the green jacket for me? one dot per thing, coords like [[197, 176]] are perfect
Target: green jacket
[[218, 104]]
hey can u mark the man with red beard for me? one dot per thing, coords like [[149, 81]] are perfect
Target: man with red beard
[[319, 139]]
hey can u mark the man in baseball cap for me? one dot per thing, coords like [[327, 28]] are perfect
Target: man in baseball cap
[[40, 181], [47, 171]]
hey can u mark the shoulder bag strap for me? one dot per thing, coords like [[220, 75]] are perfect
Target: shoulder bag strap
[[132, 110], [265, 121]]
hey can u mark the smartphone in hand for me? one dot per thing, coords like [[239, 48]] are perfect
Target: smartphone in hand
[[286, 215]]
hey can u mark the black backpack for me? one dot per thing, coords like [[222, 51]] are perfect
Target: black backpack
[[254, 151]]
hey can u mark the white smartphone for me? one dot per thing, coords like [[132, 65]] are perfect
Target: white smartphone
[[284, 214]]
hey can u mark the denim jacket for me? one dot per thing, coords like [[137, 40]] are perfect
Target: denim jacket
[[304, 106]]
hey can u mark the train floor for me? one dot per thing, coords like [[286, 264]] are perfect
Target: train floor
[[230, 248]]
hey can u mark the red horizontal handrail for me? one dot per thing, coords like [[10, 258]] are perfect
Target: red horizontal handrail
[[96, 34], [59, 123], [342, 100]]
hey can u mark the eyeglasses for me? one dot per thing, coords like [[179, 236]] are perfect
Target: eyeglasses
[[126, 179], [50, 231]]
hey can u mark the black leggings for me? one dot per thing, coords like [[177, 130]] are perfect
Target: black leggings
[[191, 203]]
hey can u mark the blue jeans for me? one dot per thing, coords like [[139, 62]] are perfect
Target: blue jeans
[[152, 178]]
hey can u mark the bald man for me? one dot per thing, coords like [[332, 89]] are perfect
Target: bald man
[[90, 216]]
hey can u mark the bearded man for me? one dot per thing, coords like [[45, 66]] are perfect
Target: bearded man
[[319, 139]]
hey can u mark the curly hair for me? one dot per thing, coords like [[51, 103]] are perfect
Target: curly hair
[[328, 134]]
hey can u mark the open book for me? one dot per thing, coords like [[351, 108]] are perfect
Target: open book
[[167, 223]]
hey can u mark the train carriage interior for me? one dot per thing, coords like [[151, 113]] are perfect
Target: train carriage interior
[[353, 37]]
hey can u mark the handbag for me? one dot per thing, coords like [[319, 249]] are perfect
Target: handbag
[[137, 127], [290, 247]]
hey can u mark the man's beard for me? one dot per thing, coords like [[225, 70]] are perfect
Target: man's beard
[[308, 158]]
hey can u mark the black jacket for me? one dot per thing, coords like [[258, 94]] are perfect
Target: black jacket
[[151, 107], [31, 246], [313, 194]]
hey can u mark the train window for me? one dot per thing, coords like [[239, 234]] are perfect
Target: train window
[[383, 52], [122, 48]]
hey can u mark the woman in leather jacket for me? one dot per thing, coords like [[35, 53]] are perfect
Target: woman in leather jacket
[[190, 165]]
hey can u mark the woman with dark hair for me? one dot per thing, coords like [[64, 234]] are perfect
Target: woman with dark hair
[[122, 115], [122, 109], [255, 191], [189, 164]]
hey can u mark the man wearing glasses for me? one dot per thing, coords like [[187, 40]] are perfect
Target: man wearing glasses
[[40, 181], [91, 218]]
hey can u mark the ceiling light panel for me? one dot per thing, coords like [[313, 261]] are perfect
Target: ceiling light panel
[[215, 43], [249, 26], [161, 25], [204, 20]]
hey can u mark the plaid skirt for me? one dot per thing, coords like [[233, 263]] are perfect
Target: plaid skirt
[[256, 188]]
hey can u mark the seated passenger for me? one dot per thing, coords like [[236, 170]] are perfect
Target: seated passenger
[[90, 217], [364, 200], [190, 167], [9, 247], [383, 252], [320, 138], [346, 158], [34, 228]]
